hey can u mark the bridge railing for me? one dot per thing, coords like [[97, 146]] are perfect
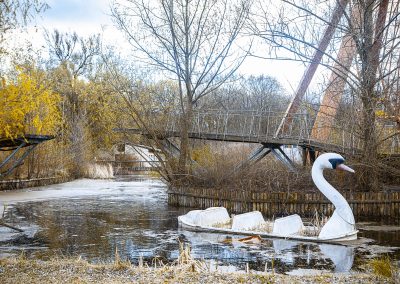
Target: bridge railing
[[129, 166], [262, 126], [246, 124]]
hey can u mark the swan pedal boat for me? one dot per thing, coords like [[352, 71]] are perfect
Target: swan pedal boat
[[339, 228], [217, 220]]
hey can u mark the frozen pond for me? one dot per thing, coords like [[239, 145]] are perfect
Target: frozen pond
[[92, 218]]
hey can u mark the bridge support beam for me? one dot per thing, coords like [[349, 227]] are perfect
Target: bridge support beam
[[17, 145], [309, 155], [262, 151], [18, 162], [281, 156], [254, 157]]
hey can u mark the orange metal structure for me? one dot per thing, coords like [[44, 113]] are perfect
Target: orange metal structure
[[334, 91]]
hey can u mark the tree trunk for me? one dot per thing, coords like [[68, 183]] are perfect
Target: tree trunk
[[186, 120], [77, 136], [369, 174], [369, 53]]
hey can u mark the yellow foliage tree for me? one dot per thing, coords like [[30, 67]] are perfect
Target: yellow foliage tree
[[101, 111], [28, 106]]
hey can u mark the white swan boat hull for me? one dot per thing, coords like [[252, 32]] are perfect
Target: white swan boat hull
[[343, 238], [218, 215]]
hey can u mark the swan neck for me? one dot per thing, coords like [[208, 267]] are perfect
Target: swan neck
[[322, 184], [342, 206]]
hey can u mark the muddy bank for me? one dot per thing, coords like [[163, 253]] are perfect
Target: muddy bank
[[21, 270]]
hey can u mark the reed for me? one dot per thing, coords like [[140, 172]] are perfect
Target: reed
[[78, 270], [119, 263], [186, 262]]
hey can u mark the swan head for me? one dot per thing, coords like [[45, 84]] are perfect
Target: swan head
[[331, 161]]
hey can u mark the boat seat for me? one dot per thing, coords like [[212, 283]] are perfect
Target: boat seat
[[211, 217], [289, 225], [191, 216], [248, 221]]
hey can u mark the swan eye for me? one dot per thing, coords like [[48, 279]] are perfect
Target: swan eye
[[335, 162]]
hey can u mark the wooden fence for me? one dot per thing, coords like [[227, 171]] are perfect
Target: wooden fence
[[377, 204], [34, 182]]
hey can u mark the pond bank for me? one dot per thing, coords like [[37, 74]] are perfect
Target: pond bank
[[34, 182], [22, 270]]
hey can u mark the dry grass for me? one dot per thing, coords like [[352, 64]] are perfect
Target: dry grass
[[184, 270], [313, 228], [217, 166], [383, 267]]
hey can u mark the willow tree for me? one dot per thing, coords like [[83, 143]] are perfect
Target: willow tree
[[367, 62], [194, 42]]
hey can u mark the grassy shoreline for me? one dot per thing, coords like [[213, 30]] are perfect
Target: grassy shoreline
[[63, 270]]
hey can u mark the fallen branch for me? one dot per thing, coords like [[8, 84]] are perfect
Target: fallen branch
[[11, 227]]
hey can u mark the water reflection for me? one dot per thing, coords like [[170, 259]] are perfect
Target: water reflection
[[288, 253], [134, 218], [341, 256]]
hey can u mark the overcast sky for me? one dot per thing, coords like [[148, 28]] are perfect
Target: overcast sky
[[81, 15], [92, 16]]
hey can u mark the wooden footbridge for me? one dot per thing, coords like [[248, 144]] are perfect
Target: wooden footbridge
[[263, 128]]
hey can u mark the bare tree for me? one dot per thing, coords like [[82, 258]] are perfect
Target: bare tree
[[195, 41], [72, 58], [254, 93], [17, 13], [367, 61]]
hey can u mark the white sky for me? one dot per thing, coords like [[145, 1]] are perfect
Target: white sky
[[88, 17]]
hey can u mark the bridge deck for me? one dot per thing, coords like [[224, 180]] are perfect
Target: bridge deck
[[268, 141], [261, 127]]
